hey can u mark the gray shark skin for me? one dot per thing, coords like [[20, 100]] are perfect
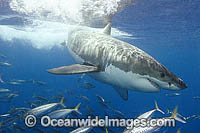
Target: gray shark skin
[[120, 64]]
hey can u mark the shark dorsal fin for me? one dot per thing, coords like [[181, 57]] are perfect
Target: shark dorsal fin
[[107, 29]]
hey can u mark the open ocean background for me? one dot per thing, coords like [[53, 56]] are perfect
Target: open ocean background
[[169, 30]]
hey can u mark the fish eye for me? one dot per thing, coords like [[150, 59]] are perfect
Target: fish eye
[[169, 83], [162, 75]]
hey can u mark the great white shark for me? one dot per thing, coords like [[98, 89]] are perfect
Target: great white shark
[[117, 63]]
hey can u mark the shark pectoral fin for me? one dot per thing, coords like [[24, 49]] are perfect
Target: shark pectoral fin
[[73, 69], [123, 93]]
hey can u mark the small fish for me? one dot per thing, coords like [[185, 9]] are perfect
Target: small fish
[[193, 117], [2, 56], [105, 105], [45, 108], [14, 110], [4, 115], [153, 129], [85, 98], [87, 85], [178, 115], [148, 114], [101, 99], [172, 94], [62, 113], [10, 121], [7, 97], [119, 113], [2, 90], [145, 115], [13, 83], [19, 81], [4, 64], [40, 98], [82, 130], [70, 92], [1, 80], [39, 82], [196, 97], [89, 109], [18, 126]]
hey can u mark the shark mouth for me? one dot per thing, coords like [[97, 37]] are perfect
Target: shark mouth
[[153, 83]]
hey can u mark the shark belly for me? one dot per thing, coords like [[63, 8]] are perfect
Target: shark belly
[[126, 80], [119, 78]]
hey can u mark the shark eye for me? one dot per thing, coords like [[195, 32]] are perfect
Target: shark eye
[[169, 83], [162, 75]]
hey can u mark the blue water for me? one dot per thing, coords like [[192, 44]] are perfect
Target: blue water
[[167, 30]]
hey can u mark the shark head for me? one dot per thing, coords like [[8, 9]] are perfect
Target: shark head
[[168, 80]]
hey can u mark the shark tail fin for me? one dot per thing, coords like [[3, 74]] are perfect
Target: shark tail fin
[[77, 108], [174, 115], [61, 102], [156, 106]]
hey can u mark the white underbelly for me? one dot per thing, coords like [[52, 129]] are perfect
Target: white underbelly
[[119, 78], [126, 80]]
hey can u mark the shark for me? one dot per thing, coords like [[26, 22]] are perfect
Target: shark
[[115, 62]]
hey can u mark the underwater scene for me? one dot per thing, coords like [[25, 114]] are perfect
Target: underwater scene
[[99, 66]]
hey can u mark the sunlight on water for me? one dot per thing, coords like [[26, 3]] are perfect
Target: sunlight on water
[[69, 10], [44, 34], [46, 23]]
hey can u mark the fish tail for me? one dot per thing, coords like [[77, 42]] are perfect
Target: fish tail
[[168, 111], [174, 115], [1, 124], [61, 102], [156, 106], [1, 80], [34, 95], [106, 130], [179, 130], [77, 108]]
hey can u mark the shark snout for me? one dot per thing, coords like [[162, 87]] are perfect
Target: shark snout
[[182, 84]]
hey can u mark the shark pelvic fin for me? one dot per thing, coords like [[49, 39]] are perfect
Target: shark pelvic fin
[[107, 29], [123, 93], [73, 69]]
